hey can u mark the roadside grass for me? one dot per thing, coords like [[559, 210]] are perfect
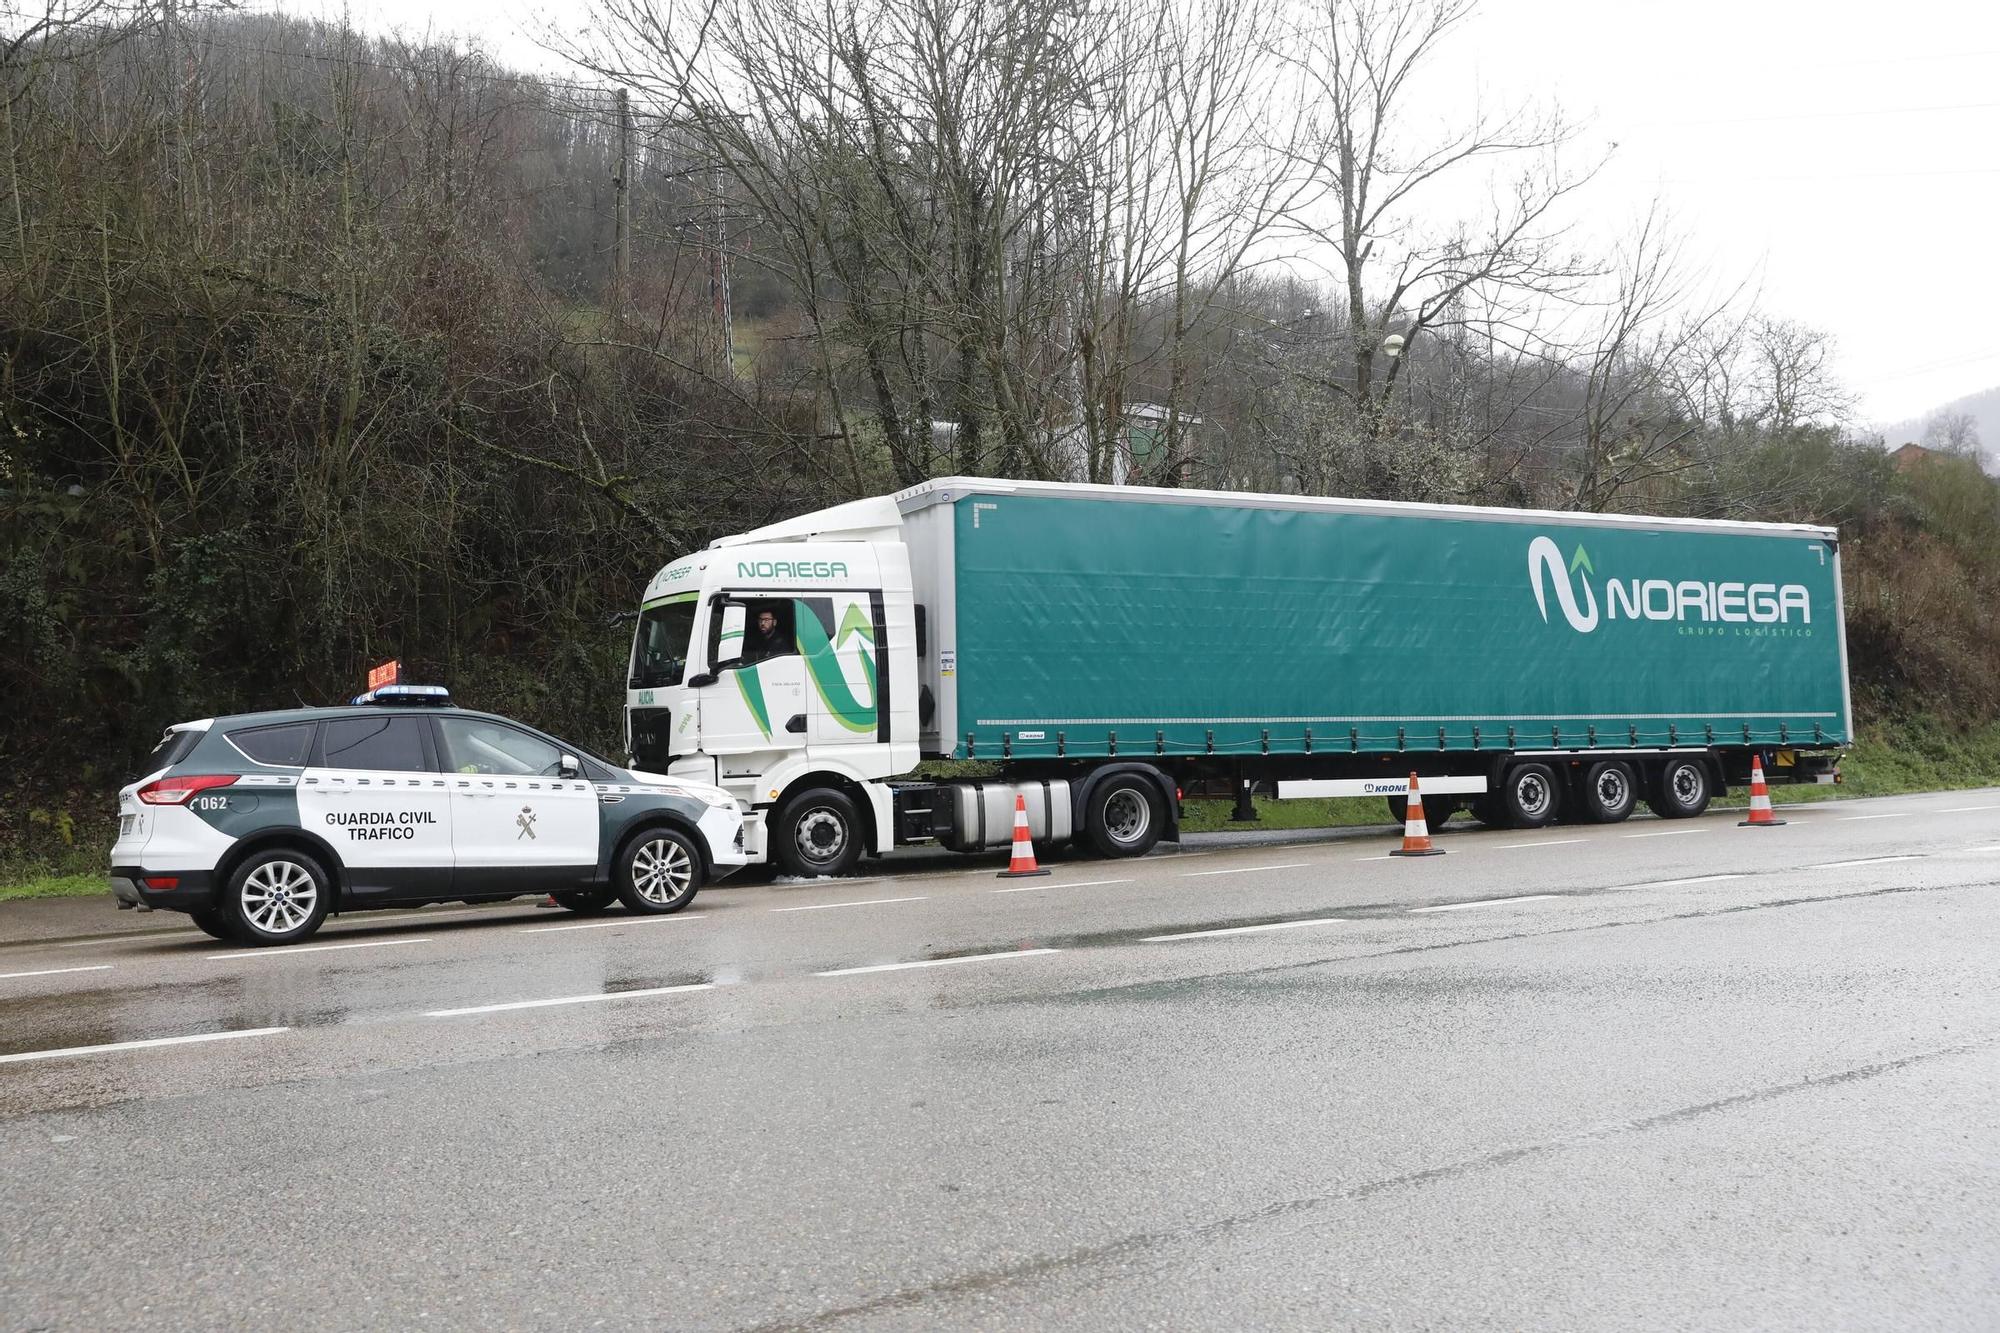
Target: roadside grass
[[53, 886]]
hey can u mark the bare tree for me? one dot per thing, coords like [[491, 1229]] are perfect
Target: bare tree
[[1953, 433], [1400, 269]]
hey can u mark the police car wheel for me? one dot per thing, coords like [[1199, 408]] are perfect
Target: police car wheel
[[213, 923], [586, 902], [659, 871], [277, 897]]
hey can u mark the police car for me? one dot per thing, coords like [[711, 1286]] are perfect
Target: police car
[[260, 825]]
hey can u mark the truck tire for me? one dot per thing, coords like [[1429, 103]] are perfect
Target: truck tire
[[585, 902], [1488, 810], [1124, 816], [818, 832], [1608, 793], [1530, 796], [1681, 789], [214, 924]]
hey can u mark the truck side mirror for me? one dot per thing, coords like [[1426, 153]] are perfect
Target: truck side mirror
[[705, 678]]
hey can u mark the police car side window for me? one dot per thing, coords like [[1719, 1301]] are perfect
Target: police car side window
[[283, 746], [473, 746], [395, 744]]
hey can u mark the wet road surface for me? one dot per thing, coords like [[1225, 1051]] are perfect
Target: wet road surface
[[1652, 1075]]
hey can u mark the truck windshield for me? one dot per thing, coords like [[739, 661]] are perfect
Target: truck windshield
[[660, 649]]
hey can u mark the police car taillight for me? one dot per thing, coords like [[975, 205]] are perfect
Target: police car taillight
[[177, 791]]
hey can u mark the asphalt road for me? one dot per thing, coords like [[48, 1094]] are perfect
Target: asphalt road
[[1648, 1076]]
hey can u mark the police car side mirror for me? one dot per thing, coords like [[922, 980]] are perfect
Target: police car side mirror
[[568, 767], [705, 678]]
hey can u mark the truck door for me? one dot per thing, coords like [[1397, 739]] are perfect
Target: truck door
[[840, 640], [756, 699]]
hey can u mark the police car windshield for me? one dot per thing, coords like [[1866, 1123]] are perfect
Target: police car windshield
[[660, 649]]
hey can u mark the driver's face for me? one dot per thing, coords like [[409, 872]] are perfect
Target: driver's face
[[766, 621]]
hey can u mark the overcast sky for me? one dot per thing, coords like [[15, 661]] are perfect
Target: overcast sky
[[1843, 157]]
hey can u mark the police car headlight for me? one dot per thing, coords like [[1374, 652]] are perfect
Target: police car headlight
[[713, 796]]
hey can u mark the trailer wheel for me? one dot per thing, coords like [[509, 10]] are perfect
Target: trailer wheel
[[1607, 793], [1681, 790], [1437, 809], [1489, 810], [1125, 816], [1529, 796], [818, 832]]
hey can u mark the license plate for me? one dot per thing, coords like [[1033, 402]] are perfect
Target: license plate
[[125, 824]]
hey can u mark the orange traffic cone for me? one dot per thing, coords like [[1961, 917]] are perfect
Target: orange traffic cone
[[1416, 833], [1023, 863], [1761, 814]]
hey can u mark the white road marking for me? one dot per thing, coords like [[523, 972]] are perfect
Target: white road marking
[[1984, 849], [1550, 842], [1060, 884], [55, 971], [1244, 930], [1678, 883], [1896, 814], [1486, 902], [140, 1045], [865, 902], [1386, 856], [1862, 861], [614, 921], [935, 962], [1244, 870], [1967, 809], [260, 954], [1668, 833], [570, 999]]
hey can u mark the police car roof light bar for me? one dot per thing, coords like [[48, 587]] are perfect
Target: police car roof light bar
[[405, 694]]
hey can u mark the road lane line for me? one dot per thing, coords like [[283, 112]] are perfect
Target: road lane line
[[865, 902], [55, 971], [1486, 902], [1243, 870], [1386, 856], [1550, 842], [1243, 930], [1668, 833], [570, 999], [614, 921], [1678, 883], [1862, 861], [935, 962], [1967, 809], [1060, 884], [140, 1045], [1894, 814], [311, 948]]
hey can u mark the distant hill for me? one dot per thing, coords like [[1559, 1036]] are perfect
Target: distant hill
[[1983, 408]]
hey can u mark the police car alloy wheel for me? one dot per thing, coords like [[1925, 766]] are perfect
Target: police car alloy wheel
[[278, 897], [659, 871]]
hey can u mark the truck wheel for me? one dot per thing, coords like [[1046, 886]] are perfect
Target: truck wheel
[[818, 832], [1489, 810], [1529, 796], [1608, 793], [1682, 789], [277, 897], [1125, 816], [658, 872]]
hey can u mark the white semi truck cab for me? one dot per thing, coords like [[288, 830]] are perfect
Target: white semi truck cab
[[795, 667]]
